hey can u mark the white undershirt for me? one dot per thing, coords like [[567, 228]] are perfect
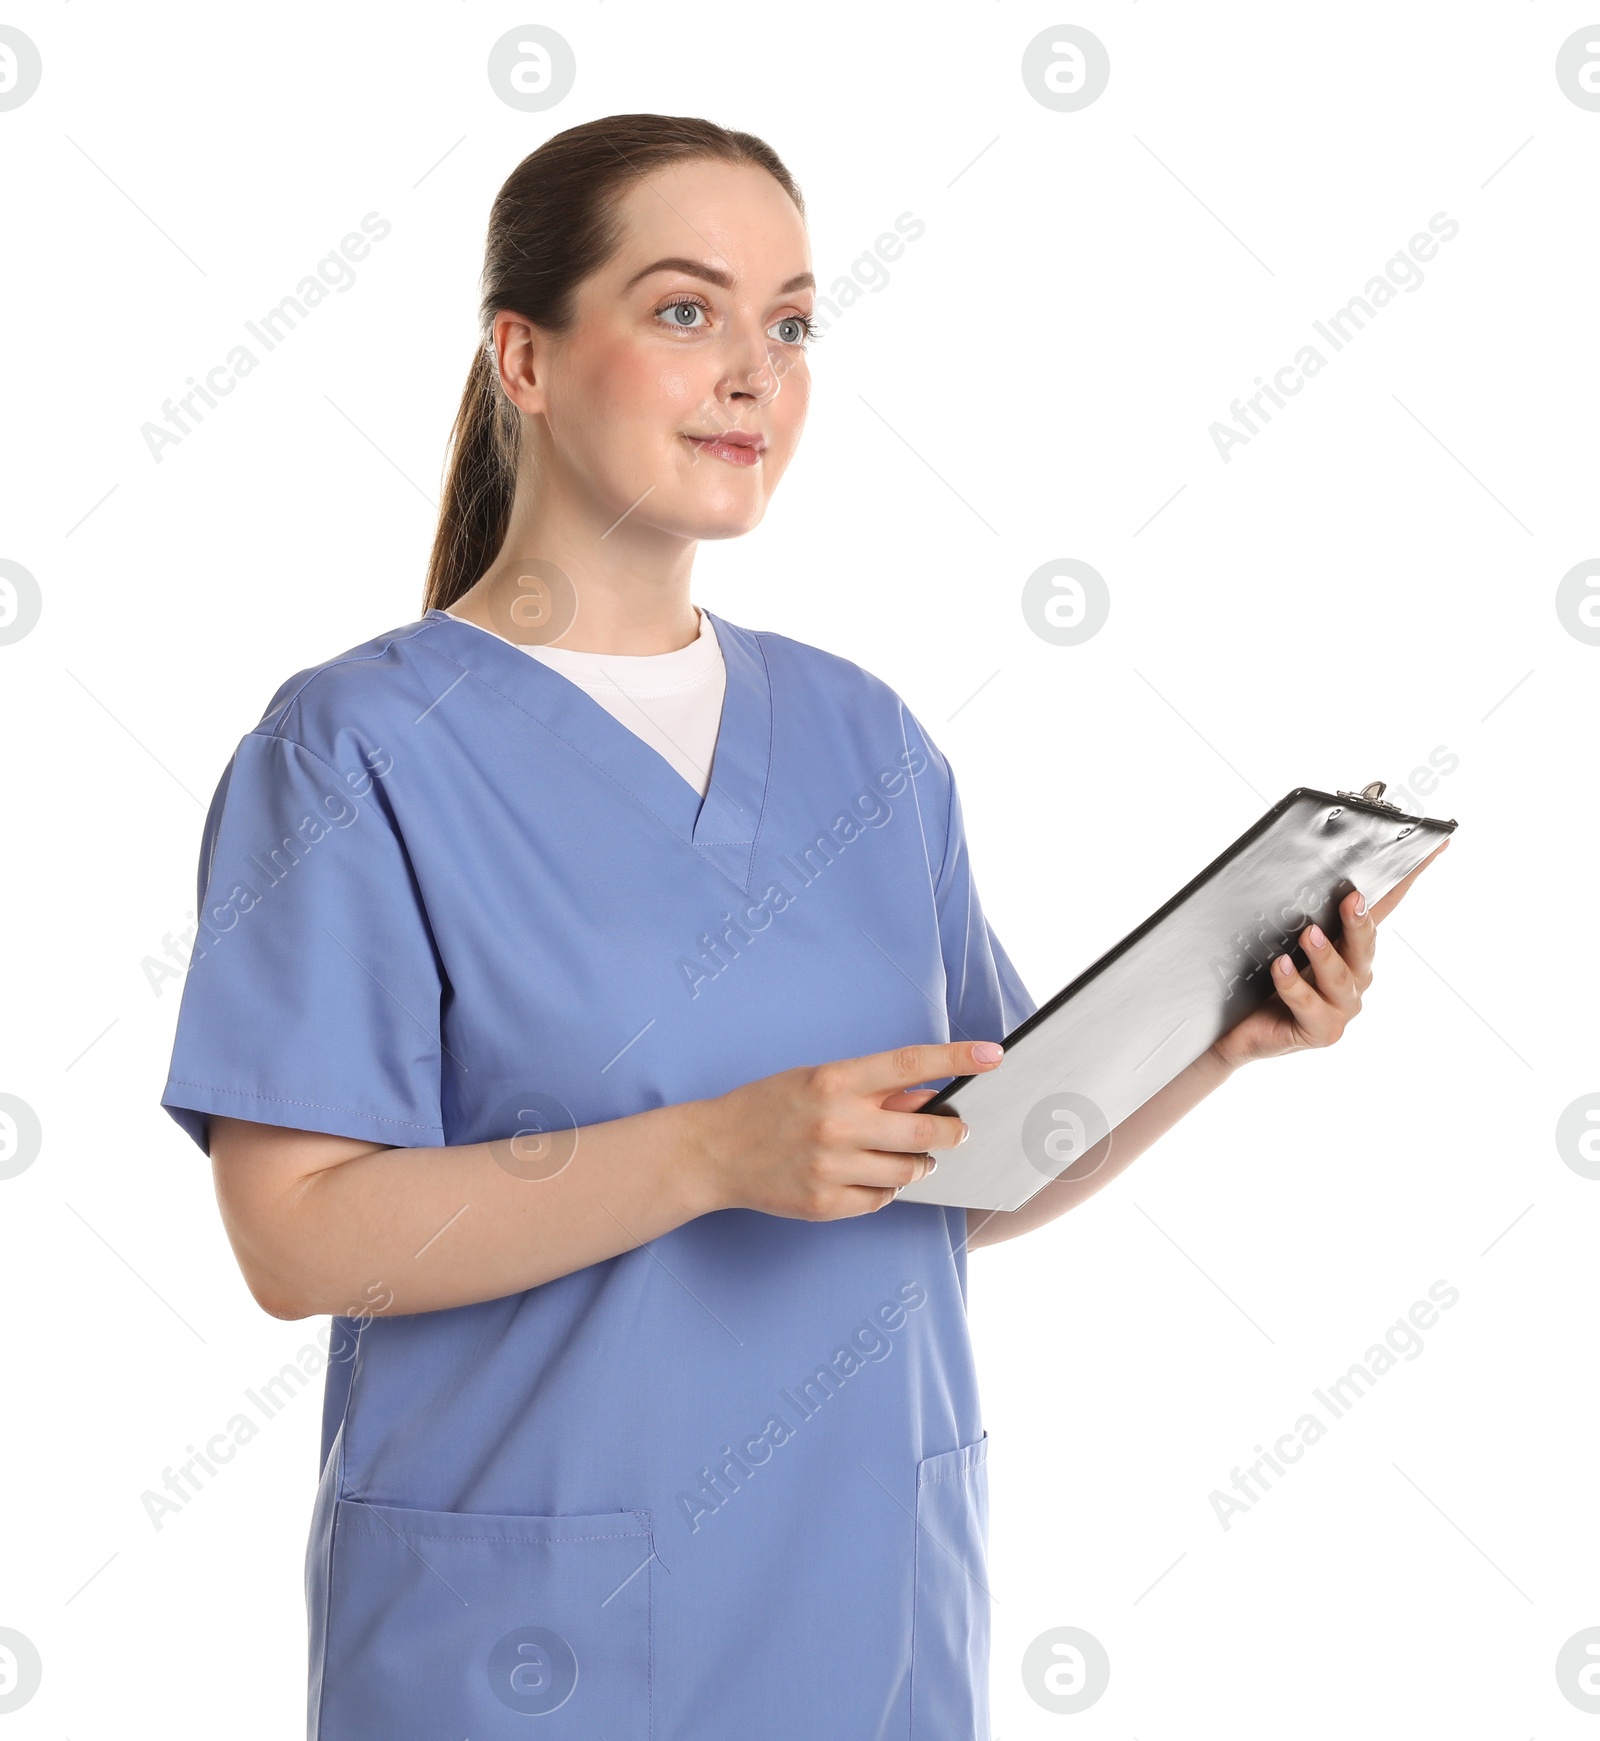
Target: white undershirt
[[673, 701]]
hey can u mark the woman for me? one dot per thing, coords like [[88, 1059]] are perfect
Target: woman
[[560, 1022]]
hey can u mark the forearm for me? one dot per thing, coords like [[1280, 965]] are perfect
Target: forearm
[[1096, 1169], [429, 1228]]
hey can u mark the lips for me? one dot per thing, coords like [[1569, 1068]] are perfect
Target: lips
[[732, 446]]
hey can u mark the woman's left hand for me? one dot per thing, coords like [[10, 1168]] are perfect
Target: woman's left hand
[[1312, 1007]]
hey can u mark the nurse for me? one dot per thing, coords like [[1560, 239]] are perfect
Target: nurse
[[573, 966]]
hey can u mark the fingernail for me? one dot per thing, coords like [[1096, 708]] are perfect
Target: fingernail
[[966, 1131], [1318, 941], [1361, 905], [1284, 966], [987, 1052], [933, 1166]]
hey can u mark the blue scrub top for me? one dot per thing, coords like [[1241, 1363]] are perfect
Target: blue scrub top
[[730, 1483]]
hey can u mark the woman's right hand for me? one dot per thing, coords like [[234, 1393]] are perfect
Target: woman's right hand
[[826, 1141], [314, 1217]]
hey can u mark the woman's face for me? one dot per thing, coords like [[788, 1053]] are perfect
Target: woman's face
[[677, 396]]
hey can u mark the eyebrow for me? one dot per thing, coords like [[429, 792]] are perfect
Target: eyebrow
[[712, 274]]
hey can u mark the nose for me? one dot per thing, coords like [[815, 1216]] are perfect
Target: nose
[[751, 373]]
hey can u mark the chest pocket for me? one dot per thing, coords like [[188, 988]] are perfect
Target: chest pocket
[[950, 1620], [457, 1623]]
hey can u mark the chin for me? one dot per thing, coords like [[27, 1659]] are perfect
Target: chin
[[723, 518], [730, 525]]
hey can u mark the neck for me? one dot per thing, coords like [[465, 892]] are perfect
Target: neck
[[584, 575]]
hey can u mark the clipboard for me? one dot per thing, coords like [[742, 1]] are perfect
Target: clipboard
[[1160, 998]]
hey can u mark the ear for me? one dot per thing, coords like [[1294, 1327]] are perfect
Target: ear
[[524, 351]]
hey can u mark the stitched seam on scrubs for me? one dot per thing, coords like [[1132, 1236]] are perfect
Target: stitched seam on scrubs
[[949, 813], [766, 772], [278, 737], [545, 726], [314, 1105], [916, 799], [949, 816], [954, 1475], [429, 1535], [949, 805], [325, 1574], [295, 744], [944, 863], [317, 671], [916, 1614]]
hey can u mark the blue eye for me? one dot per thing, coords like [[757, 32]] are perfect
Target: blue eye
[[681, 313], [793, 329]]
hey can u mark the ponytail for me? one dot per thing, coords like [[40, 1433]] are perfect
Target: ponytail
[[479, 484]]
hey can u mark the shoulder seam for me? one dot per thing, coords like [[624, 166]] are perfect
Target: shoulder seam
[[935, 753], [332, 664], [935, 756], [279, 737], [949, 814]]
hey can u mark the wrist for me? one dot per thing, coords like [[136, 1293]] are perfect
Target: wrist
[[1216, 1065], [690, 1157]]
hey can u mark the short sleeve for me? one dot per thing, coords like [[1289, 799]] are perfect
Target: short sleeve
[[314, 990], [984, 994]]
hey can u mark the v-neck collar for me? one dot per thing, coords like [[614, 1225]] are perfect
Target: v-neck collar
[[722, 826]]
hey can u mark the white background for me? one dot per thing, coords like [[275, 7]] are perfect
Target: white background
[[1369, 580]]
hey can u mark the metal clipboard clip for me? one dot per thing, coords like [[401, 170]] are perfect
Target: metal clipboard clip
[[1372, 793]]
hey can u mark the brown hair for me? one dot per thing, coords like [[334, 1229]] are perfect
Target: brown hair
[[552, 224]]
